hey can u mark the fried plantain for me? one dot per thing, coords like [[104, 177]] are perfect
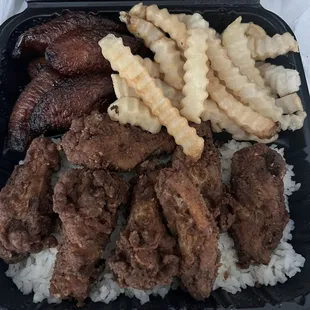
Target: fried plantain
[[72, 98], [37, 39], [78, 52]]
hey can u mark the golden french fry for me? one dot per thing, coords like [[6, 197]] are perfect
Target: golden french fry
[[272, 47], [169, 23], [138, 10], [255, 31], [130, 110], [171, 93], [294, 121], [249, 120], [239, 84], [236, 43], [220, 121], [170, 62], [195, 21], [140, 28], [136, 75], [121, 88], [195, 78], [282, 81], [290, 103], [151, 66], [165, 50]]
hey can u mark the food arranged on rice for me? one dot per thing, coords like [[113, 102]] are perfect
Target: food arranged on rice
[[100, 212]]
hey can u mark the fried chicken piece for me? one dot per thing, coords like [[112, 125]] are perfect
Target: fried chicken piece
[[257, 183], [98, 142], [190, 220], [87, 203], [36, 66], [72, 98], [37, 39], [77, 51], [145, 254], [20, 135], [206, 175], [26, 205]]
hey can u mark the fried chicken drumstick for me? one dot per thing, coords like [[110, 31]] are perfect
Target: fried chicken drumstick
[[98, 142], [87, 203], [257, 183], [190, 220], [145, 254], [26, 204], [206, 175]]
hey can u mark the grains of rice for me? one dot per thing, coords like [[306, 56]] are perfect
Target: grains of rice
[[34, 274]]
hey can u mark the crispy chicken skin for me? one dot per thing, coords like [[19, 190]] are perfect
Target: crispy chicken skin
[[206, 175], [256, 180], [26, 204], [145, 254], [37, 39], [36, 66], [98, 142], [77, 51], [86, 202], [20, 135], [190, 220], [72, 98]]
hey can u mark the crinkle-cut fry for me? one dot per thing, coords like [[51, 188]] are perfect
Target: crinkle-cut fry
[[136, 75], [272, 47], [282, 81], [131, 110], [290, 103], [221, 121], [196, 68], [122, 89], [166, 54], [236, 43], [141, 28], [254, 30], [170, 92], [294, 121], [239, 84], [196, 21], [249, 120], [170, 62], [138, 10], [169, 23], [151, 66]]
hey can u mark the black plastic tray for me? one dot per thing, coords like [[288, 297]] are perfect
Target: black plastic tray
[[13, 78]]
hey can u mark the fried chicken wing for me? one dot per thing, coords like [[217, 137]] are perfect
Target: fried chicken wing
[[36, 66], [77, 51], [206, 175], [26, 203], [98, 142], [20, 135], [37, 39], [257, 183], [87, 203], [72, 98], [190, 220], [145, 254]]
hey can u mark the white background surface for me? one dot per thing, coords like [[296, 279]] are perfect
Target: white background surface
[[295, 12]]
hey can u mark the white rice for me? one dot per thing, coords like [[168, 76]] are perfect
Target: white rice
[[34, 274]]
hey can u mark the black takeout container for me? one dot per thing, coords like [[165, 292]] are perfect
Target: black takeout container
[[13, 78]]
